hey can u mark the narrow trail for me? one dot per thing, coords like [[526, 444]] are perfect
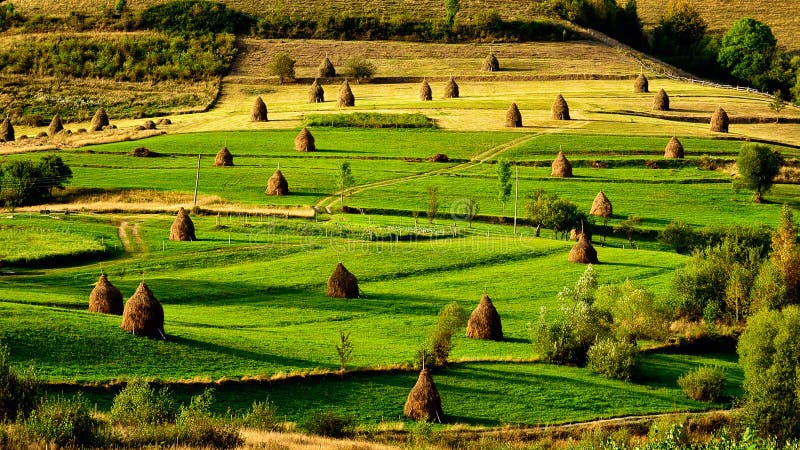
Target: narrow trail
[[122, 231], [131, 238]]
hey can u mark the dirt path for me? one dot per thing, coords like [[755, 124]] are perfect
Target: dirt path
[[131, 238], [122, 231]]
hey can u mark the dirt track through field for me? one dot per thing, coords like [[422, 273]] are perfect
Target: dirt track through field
[[131, 237]]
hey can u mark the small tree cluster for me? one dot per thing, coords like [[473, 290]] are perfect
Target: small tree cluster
[[550, 211], [282, 66], [757, 166], [436, 351], [359, 68], [24, 182]]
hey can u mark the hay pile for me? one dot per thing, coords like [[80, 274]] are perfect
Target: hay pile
[[451, 89], [720, 121], [425, 93], [561, 166], [56, 125], [259, 111], [346, 97], [423, 401], [149, 125], [560, 110], [575, 234], [143, 152], [674, 148], [326, 69], [6, 131], [277, 184], [484, 322], [439, 157], [342, 283], [182, 228], [143, 314], [641, 85], [513, 117], [490, 64], [164, 121], [99, 121], [304, 142], [315, 93], [224, 158], [661, 101], [583, 252], [601, 206], [105, 298]]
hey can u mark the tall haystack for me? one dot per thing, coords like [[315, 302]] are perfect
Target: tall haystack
[[99, 120], [304, 142], [224, 158], [641, 85], [583, 252], [423, 401], [720, 121], [342, 283], [143, 314], [105, 298], [451, 89], [315, 93], [484, 322], [661, 101], [6, 131], [425, 93], [277, 184], [490, 64], [182, 228], [601, 207], [674, 148], [259, 111], [561, 166], [56, 125], [513, 117], [346, 97], [326, 69], [560, 110]]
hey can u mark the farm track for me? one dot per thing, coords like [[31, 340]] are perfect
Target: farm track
[[131, 238]]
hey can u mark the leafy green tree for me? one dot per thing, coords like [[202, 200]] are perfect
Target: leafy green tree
[[55, 174], [757, 165], [433, 203], [679, 28], [628, 228], [503, 183], [20, 183], [452, 318], [20, 391], [451, 8], [785, 256], [344, 180], [550, 211], [282, 66], [777, 104], [359, 68], [344, 349], [747, 50], [678, 235]]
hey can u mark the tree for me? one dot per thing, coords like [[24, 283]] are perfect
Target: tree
[[785, 255], [549, 211], [747, 49], [282, 66], [629, 227], [679, 28], [503, 183], [20, 183], [359, 68], [451, 8], [777, 104], [344, 179], [465, 209], [452, 317], [433, 203], [55, 174], [344, 349], [757, 165], [678, 235]]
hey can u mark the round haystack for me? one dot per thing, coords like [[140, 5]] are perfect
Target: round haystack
[[561, 167], [661, 101], [423, 401], [224, 158], [451, 89], [143, 152], [164, 121], [6, 131], [56, 125], [259, 111], [346, 97], [425, 93], [326, 69], [277, 184], [438, 157], [143, 314], [720, 121], [575, 234], [304, 142], [674, 149], [149, 125], [105, 298], [513, 117], [583, 252], [342, 283], [601, 206], [484, 322], [641, 85], [99, 121], [315, 93], [560, 110], [182, 228], [490, 64]]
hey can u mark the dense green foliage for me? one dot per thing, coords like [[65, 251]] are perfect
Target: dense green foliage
[[613, 358], [549, 211], [608, 16], [359, 68], [195, 17], [139, 404], [371, 120], [197, 426], [637, 313], [65, 422], [24, 182], [19, 389], [436, 351], [329, 423], [703, 383], [282, 66], [757, 165], [747, 50]]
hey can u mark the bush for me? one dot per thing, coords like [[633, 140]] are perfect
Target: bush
[[282, 66], [703, 384], [329, 423], [437, 350], [370, 120], [197, 426], [613, 358], [66, 422], [678, 235], [196, 17], [139, 404], [19, 390], [637, 313], [359, 68], [262, 416]]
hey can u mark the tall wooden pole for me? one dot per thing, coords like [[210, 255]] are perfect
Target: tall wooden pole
[[516, 196], [197, 180]]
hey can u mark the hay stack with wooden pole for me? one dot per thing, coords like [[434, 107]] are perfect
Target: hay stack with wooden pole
[[490, 63], [56, 125], [661, 101], [561, 166], [425, 93], [143, 314], [304, 142], [99, 120], [720, 121], [277, 184], [224, 158], [182, 228], [451, 88], [640, 85], [513, 117], [346, 97], [601, 207], [6, 131], [315, 93], [484, 322], [423, 402], [326, 69], [259, 111], [583, 252], [674, 149], [105, 298], [560, 109], [342, 283]]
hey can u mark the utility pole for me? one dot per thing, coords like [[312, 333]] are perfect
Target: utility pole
[[516, 196], [197, 180]]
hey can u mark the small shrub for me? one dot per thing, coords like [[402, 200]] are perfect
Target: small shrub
[[329, 423], [197, 426], [66, 422], [437, 350], [282, 66], [19, 390], [678, 235], [262, 416], [359, 68], [139, 404], [703, 384], [613, 358]]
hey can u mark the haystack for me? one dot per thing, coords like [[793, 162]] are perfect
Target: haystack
[[451, 89], [561, 166], [277, 184], [560, 110], [425, 93], [315, 93], [583, 252], [150, 125], [575, 234], [674, 149], [342, 283], [143, 314], [182, 228], [438, 157], [143, 152], [259, 111], [164, 121], [56, 125], [601, 207], [99, 121], [661, 101], [326, 69], [6, 131], [513, 117], [490, 64], [105, 298], [484, 322], [224, 158], [423, 401], [641, 85], [346, 97], [304, 142], [720, 121]]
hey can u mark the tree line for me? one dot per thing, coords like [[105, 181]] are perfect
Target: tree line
[[26, 182]]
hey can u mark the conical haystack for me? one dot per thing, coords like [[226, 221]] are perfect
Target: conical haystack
[[143, 314], [601, 206], [304, 142], [6, 131], [720, 121], [99, 121], [105, 298], [423, 401], [490, 63], [661, 101], [259, 111], [484, 322], [425, 93], [451, 89], [560, 110], [641, 85], [674, 148], [513, 117], [182, 228], [342, 283], [56, 125], [346, 97], [315, 93], [277, 184], [583, 252], [224, 158], [561, 166], [326, 69]]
